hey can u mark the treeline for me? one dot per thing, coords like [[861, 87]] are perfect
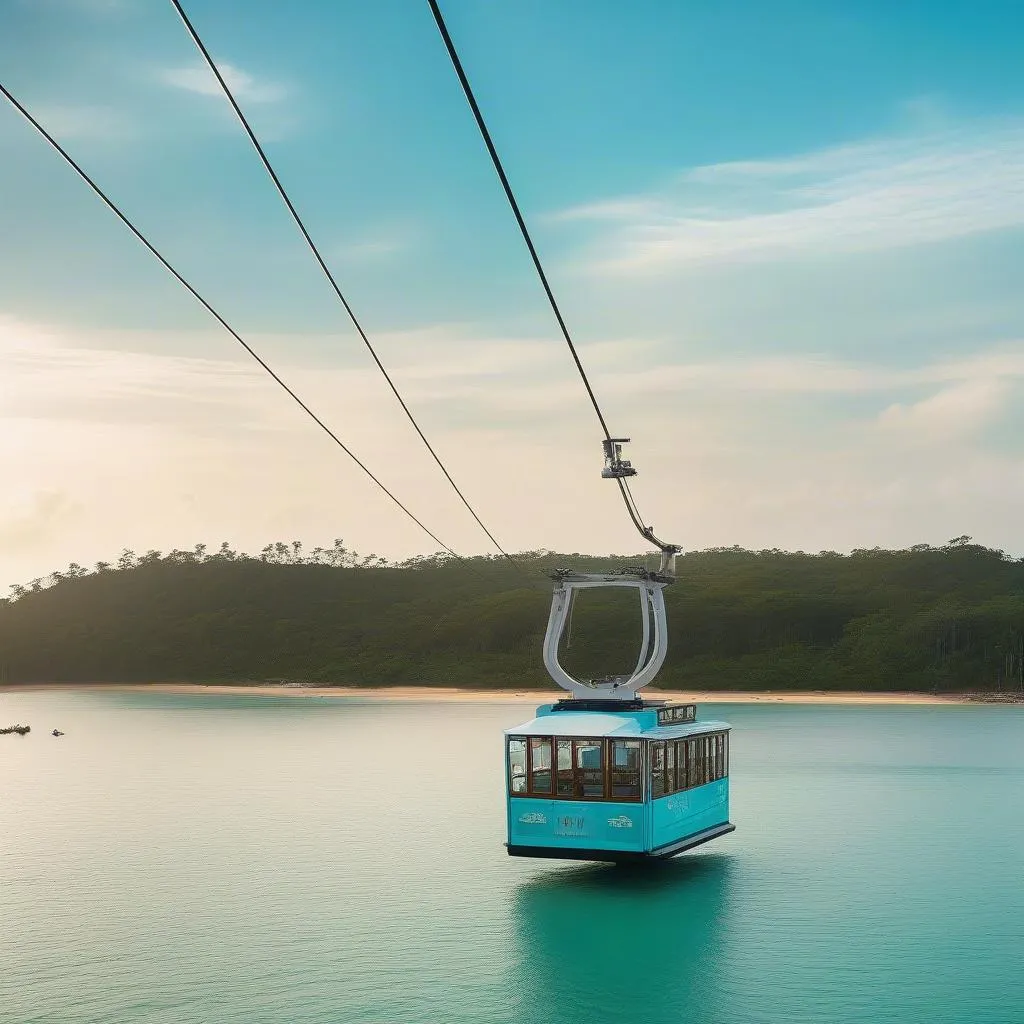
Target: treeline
[[947, 618]]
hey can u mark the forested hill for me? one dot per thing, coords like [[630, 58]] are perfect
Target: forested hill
[[947, 619]]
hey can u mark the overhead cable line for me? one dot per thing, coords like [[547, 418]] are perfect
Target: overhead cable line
[[109, 203], [627, 496], [226, 89]]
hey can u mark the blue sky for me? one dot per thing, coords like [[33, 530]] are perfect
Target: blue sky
[[788, 237]]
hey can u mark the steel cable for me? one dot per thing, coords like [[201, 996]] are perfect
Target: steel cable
[[645, 531], [213, 312], [282, 192]]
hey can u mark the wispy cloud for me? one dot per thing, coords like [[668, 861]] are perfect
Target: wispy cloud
[[28, 520], [820, 375], [873, 195], [246, 87], [952, 413], [381, 244], [81, 121], [87, 6], [52, 378], [53, 374], [152, 445]]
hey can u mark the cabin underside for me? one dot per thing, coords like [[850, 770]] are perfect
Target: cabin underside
[[622, 856]]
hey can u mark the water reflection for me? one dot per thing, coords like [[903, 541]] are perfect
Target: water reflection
[[603, 943]]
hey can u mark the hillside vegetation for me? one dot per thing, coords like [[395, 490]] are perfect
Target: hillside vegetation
[[934, 619]]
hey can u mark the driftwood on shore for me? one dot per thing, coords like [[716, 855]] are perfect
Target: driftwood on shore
[[19, 729]]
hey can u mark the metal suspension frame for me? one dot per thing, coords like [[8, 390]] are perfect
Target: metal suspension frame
[[650, 586], [653, 644]]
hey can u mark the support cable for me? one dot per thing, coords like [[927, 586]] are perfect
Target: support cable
[[243, 120], [109, 203], [645, 531]]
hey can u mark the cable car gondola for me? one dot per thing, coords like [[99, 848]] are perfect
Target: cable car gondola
[[606, 775]]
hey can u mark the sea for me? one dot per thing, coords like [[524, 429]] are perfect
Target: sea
[[301, 860]]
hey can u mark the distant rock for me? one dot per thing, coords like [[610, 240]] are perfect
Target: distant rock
[[19, 729]]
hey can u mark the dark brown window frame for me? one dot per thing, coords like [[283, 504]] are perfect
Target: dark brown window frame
[[699, 761], [577, 796], [696, 758]]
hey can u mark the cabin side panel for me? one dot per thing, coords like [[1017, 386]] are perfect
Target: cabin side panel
[[685, 814], [570, 824], [689, 786]]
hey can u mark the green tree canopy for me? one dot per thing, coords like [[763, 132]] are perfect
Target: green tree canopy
[[929, 619]]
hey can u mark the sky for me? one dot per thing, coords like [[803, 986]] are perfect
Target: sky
[[787, 235]]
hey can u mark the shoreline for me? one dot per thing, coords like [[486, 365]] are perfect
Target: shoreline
[[443, 694]]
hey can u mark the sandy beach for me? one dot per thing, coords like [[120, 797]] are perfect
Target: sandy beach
[[440, 694]]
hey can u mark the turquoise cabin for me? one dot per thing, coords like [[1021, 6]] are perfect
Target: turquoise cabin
[[615, 781]]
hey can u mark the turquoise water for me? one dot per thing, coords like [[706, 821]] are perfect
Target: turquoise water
[[298, 860]]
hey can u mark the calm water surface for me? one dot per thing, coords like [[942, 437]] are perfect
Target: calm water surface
[[303, 860]]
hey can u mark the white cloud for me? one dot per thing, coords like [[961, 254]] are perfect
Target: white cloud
[[952, 413], [86, 6], [246, 88], [31, 520], [47, 376], [798, 374], [151, 448], [50, 374], [80, 121], [862, 197], [381, 244]]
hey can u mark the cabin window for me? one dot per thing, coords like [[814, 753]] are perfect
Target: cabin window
[[685, 764], [702, 759], [625, 770], [558, 767], [540, 764], [564, 779], [657, 770], [680, 746], [589, 769], [552, 766], [517, 766]]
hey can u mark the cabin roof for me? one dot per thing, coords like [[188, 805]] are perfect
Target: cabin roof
[[599, 724]]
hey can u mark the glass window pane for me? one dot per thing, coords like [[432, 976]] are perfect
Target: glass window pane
[[517, 765], [670, 767], [540, 764], [564, 775], [589, 768], [625, 785], [725, 762], [564, 755], [625, 770], [657, 770], [626, 754]]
